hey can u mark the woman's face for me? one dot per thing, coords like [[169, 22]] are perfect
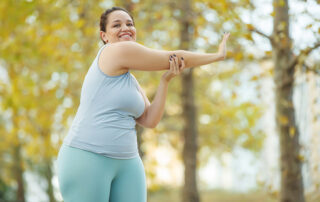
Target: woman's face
[[119, 28]]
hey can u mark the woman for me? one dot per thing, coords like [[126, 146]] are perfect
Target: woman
[[99, 160]]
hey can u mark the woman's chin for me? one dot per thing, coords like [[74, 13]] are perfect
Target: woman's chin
[[128, 40], [125, 40]]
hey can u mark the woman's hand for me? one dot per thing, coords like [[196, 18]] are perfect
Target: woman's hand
[[153, 113], [174, 68], [223, 46]]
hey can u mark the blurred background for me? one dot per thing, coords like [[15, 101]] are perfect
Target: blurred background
[[245, 129]]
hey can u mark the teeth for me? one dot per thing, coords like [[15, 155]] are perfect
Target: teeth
[[125, 35]]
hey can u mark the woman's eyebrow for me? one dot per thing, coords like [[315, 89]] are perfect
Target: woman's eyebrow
[[120, 21]]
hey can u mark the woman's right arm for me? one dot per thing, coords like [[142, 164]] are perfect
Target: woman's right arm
[[132, 55]]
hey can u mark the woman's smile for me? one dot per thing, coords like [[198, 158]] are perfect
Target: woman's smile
[[125, 36]]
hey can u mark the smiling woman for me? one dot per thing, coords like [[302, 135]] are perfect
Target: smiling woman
[[102, 142], [119, 24]]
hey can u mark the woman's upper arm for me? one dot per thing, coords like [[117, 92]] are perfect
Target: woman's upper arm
[[132, 55], [145, 98], [141, 120], [146, 104]]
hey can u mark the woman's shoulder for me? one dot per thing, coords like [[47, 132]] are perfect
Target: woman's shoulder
[[107, 62]]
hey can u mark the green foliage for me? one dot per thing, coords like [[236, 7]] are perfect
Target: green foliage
[[6, 192]]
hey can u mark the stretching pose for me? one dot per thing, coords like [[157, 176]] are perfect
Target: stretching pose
[[99, 160]]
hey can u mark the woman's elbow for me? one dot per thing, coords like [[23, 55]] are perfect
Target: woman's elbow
[[150, 125], [147, 124], [153, 125]]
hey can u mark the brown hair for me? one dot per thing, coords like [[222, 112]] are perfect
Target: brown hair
[[104, 18]]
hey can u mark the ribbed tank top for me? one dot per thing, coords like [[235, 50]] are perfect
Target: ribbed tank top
[[105, 119]]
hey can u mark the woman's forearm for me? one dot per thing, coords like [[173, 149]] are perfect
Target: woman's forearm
[[193, 59], [155, 110], [131, 55]]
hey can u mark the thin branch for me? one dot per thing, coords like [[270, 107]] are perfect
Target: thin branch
[[315, 71], [304, 52], [252, 28], [262, 34], [309, 49]]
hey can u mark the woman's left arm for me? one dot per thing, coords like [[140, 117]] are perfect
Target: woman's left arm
[[154, 111]]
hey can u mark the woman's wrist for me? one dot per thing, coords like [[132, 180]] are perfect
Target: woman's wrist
[[165, 80], [218, 56]]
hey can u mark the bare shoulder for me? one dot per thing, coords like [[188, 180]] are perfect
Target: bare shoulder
[[107, 61]]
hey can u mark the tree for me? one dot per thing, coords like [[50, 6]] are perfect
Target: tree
[[41, 56], [190, 131], [285, 65], [183, 15]]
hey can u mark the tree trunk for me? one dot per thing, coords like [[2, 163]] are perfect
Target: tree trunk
[[290, 163], [48, 177], [190, 190], [190, 133], [18, 174]]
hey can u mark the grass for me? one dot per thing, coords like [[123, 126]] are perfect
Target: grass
[[173, 195]]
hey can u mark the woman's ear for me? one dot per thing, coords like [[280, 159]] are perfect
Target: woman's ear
[[103, 36]]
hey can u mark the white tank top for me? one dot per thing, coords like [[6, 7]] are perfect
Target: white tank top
[[105, 120]]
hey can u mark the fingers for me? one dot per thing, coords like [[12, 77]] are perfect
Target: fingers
[[174, 64], [171, 62], [226, 36], [223, 45], [182, 65], [178, 68]]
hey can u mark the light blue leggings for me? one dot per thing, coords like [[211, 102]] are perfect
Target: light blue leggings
[[89, 177]]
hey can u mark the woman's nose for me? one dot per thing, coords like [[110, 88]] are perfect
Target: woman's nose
[[124, 27]]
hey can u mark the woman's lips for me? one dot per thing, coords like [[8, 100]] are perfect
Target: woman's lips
[[125, 35]]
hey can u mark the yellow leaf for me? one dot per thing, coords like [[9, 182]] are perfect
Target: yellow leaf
[[308, 26], [238, 56], [254, 78], [268, 53], [250, 56], [80, 23], [248, 36], [292, 131], [274, 193], [283, 120], [301, 157], [250, 27], [234, 95]]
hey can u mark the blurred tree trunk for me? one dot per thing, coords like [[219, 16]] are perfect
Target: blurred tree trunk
[[48, 177], [18, 173], [190, 133], [290, 163], [18, 169]]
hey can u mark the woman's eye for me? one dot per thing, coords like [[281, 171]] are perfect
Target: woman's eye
[[118, 25]]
